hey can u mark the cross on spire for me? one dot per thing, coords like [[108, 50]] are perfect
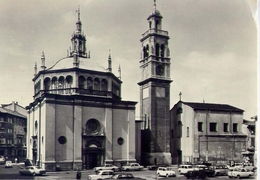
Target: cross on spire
[[78, 11], [180, 95], [154, 4]]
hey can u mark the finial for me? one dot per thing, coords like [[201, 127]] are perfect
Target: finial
[[154, 4], [35, 69], [119, 72], [43, 67], [78, 11], [109, 62], [180, 95]]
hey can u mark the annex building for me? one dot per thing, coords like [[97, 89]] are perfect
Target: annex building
[[206, 132], [78, 118]]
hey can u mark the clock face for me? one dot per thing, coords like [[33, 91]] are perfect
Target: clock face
[[160, 70]]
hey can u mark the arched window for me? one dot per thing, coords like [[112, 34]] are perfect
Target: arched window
[[54, 83], [61, 82], [157, 50], [47, 84], [144, 53], [69, 81], [162, 50], [81, 82], [90, 83], [103, 85], [147, 50], [96, 84], [179, 110]]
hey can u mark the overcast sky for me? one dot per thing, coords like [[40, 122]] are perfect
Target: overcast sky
[[213, 45]]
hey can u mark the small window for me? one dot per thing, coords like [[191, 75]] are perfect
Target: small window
[[200, 126], [235, 127], [225, 127], [213, 127], [188, 132], [179, 110]]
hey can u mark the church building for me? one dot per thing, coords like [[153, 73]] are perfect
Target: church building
[[78, 118]]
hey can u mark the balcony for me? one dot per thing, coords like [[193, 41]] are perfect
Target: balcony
[[155, 31]]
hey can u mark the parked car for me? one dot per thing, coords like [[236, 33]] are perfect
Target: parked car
[[125, 176], [8, 164], [107, 167], [195, 174], [221, 170], [240, 173], [155, 166], [166, 171], [32, 170], [208, 170], [101, 175], [132, 167], [2, 160], [184, 168]]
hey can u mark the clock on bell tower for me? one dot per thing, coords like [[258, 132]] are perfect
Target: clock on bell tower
[[155, 91]]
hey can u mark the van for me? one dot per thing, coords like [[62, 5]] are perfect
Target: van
[[184, 168]]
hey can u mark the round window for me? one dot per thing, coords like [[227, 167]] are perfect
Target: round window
[[93, 126], [62, 139], [120, 141]]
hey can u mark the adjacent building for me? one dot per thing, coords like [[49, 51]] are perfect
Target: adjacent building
[[78, 118], [13, 127], [206, 132]]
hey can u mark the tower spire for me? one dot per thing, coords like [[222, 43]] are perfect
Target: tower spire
[[119, 72], [78, 13]]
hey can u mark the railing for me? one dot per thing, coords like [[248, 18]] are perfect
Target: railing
[[157, 31]]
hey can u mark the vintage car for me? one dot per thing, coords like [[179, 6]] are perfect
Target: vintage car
[[240, 173], [32, 170], [124, 176], [221, 170], [8, 164], [184, 168], [166, 171], [102, 174], [132, 167], [107, 167]]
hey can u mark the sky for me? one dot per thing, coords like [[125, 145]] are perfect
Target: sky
[[213, 45]]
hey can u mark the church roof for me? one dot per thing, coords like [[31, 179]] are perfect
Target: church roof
[[213, 107]]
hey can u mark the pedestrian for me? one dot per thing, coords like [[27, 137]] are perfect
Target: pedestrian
[[78, 175], [15, 160]]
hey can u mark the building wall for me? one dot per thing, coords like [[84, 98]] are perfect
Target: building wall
[[190, 144], [68, 119]]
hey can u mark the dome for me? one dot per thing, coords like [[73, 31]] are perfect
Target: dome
[[157, 12]]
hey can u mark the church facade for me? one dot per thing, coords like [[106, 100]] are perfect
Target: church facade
[[78, 118]]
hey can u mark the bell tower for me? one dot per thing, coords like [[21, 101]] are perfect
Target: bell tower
[[155, 92]]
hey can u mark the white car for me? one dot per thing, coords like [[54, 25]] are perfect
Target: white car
[[107, 167], [32, 170], [2, 160], [8, 164], [101, 175], [166, 171], [184, 168], [240, 173], [132, 167]]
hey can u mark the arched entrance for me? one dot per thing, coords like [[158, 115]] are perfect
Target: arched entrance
[[93, 153]]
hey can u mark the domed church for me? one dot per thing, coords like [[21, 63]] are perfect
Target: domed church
[[78, 118]]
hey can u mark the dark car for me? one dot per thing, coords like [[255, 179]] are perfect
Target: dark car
[[201, 172], [124, 176], [195, 174], [155, 166]]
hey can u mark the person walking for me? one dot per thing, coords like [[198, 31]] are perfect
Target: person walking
[[78, 175]]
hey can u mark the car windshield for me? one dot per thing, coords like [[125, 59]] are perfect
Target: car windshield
[[169, 169]]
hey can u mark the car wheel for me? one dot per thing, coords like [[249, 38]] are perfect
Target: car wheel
[[230, 177], [139, 169], [238, 177], [167, 175], [158, 174], [127, 169], [113, 169], [33, 174]]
